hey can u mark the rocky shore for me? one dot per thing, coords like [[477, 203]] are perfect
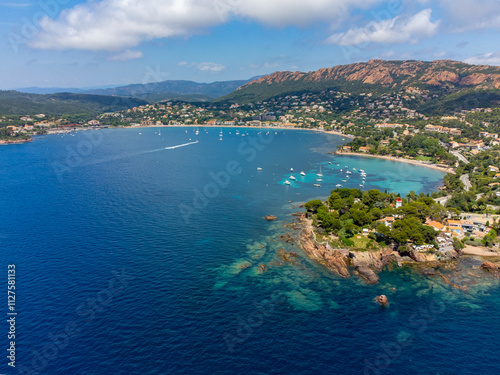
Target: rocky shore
[[13, 142], [367, 264]]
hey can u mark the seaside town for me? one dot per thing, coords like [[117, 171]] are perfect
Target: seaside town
[[465, 144]]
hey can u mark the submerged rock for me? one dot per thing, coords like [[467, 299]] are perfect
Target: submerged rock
[[490, 266], [428, 271], [270, 217], [382, 300], [367, 274]]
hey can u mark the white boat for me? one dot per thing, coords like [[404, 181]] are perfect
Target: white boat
[[344, 180], [259, 168], [341, 170], [320, 173], [361, 170], [361, 185], [319, 180], [354, 169], [317, 185], [197, 132], [302, 173], [348, 172], [287, 182], [220, 138], [291, 169], [338, 185], [329, 162], [292, 178]]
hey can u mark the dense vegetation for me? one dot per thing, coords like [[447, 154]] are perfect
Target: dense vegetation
[[16, 103], [347, 211]]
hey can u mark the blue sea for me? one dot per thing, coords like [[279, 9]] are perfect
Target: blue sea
[[139, 251]]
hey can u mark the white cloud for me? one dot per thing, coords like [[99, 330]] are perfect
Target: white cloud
[[400, 29], [463, 15], [210, 67], [297, 12], [127, 55], [491, 58], [117, 24]]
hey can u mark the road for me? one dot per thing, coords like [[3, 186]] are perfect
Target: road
[[442, 201], [460, 156], [465, 180]]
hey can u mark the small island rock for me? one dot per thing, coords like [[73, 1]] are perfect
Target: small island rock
[[270, 218], [382, 300]]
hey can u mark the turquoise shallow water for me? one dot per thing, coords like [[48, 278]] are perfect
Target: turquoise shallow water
[[137, 251]]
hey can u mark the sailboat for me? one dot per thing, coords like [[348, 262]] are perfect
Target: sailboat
[[292, 178], [320, 173], [302, 173], [287, 182]]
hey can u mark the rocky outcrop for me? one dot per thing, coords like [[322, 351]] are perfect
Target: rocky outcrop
[[490, 266], [393, 73], [382, 300], [423, 257], [270, 218], [368, 274], [333, 259], [376, 260]]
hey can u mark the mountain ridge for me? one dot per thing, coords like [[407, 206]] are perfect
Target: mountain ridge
[[374, 74]]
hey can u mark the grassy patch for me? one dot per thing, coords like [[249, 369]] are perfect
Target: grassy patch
[[423, 158]]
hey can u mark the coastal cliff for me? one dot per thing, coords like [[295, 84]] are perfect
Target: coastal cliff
[[365, 264]]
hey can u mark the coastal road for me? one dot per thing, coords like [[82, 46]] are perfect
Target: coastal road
[[465, 180], [442, 201], [460, 157]]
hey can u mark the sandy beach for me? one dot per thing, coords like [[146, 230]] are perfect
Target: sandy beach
[[402, 160]]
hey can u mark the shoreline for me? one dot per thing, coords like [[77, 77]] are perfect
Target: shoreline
[[480, 251], [17, 142], [402, 160]]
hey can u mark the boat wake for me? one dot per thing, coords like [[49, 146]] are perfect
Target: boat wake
[[183, 145], [170, 147]]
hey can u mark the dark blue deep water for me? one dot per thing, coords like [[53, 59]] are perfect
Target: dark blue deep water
[[131, 259]]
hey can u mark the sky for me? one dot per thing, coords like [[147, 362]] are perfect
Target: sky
[[95, 43]]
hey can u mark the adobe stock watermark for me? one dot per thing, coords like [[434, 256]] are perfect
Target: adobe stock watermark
[[245, 326], [30, 27], [221, 179], [76, 154], [390, 351], [86, 311]]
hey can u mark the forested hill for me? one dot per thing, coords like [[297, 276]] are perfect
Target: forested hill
[[17, 103]]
